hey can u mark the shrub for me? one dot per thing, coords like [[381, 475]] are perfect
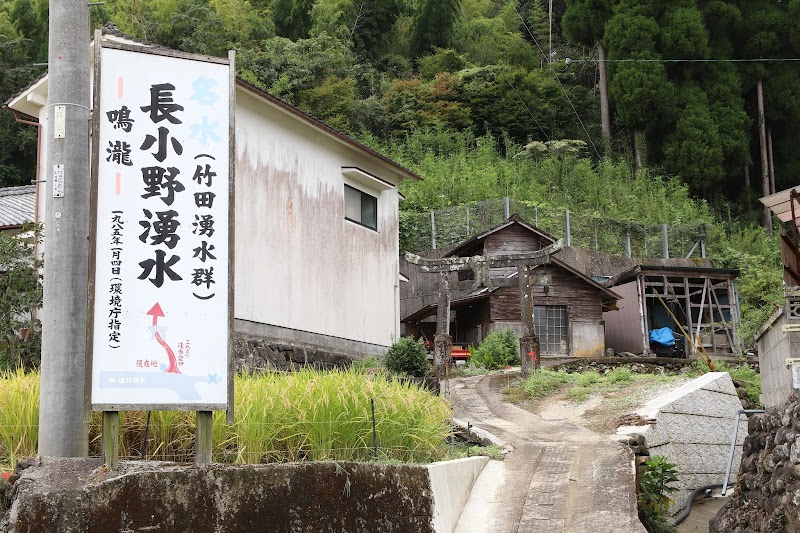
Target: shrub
[[408, 356], [654, 489], [498, 349]]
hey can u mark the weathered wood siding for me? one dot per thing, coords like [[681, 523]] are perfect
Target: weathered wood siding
[[513, 239], [582, 300]]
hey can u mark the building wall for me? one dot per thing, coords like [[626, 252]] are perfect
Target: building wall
[[774, 347], [299, 264], [624, 326], [584, 309]]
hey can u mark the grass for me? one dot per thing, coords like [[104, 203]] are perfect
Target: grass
[[580, 386], [279, 417]]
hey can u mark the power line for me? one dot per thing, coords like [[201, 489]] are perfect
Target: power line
[[549, 60], [529, 110], [755, 60]]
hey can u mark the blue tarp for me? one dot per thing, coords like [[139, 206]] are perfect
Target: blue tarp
[[662, 336]]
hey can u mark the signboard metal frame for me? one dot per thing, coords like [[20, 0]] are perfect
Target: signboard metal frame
[[101, 44]]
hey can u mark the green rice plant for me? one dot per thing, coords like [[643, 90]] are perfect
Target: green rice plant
[[278, 417], [19, 416]]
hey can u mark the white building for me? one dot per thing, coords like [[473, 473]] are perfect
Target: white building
[[316, 225]]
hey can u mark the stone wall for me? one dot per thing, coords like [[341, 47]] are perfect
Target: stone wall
[[253, 353], [767, 494], [81, 496]]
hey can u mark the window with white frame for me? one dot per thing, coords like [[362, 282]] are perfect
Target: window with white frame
[[551, 326], [360, 207]]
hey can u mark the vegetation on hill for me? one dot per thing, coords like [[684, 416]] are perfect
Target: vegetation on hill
[[477, 95]]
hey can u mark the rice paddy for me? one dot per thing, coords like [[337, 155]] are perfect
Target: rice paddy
[[278, 417]]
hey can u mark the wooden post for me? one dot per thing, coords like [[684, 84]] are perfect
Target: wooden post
[[203, 438], [111, 439], [762, 137], [442, 342], [529, 342]]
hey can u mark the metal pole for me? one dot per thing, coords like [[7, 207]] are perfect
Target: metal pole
[[468, 221], [62, 430], [536, 215], [433, 230], [567, 236], [703, 242], [627, 243], [374, 430], [664, 241], [733, 445], [506, 208]]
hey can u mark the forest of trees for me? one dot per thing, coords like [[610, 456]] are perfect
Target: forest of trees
[[665, 92], [388, 67]]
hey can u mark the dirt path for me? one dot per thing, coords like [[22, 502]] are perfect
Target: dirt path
[[560, 477]]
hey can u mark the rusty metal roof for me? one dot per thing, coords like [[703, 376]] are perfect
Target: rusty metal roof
[[780, 203], [17, 206]]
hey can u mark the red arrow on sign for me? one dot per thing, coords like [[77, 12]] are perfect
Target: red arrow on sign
[[156, 312]]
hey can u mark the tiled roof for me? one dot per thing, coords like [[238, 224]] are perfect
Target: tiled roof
[[17, 205]]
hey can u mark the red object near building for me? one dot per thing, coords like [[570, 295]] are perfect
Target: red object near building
[[459, 354]]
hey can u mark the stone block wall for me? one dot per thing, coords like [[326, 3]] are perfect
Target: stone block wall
[[692, 429], [767, 493], [254, 353]]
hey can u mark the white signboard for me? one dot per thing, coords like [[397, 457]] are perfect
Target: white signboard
[[160, 303]]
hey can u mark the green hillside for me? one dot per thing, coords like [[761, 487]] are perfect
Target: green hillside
[[495, 98]]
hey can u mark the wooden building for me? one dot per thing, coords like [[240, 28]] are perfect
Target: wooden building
[[568, 305], [703, 300]]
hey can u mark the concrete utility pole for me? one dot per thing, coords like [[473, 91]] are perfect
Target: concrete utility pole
[[62, 431]]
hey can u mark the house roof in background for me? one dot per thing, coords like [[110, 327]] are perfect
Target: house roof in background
[[780, 204], [17, 206], [699, 271], [513, 219]]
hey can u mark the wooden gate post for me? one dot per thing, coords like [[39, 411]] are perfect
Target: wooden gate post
[[528, 340]]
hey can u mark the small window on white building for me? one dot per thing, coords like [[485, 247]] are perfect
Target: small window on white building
[[360, 207]]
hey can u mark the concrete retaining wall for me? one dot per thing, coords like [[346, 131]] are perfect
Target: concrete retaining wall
[[451, 484], [692, 429], [80, 496], [774, 346]]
